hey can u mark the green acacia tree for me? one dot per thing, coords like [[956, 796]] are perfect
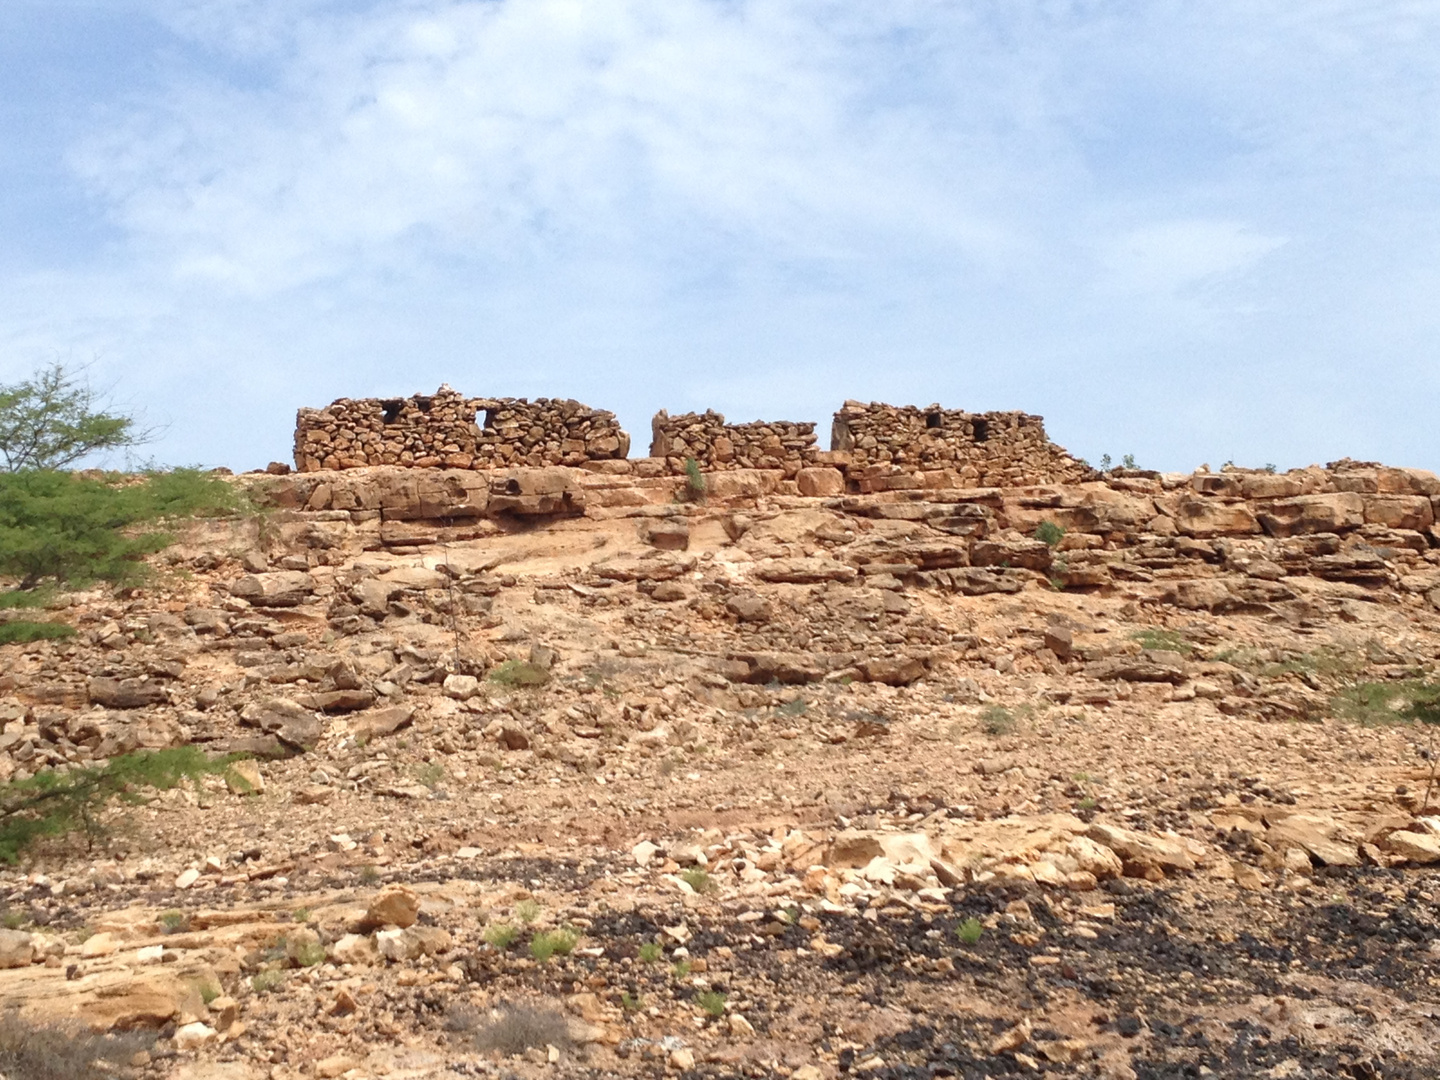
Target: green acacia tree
[[54, 419]]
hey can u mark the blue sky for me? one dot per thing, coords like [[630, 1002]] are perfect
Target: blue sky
[[1191, 232]]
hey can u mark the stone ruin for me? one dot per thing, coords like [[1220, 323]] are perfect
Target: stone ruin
[[993, 449], [874, 447], [716, 446], [447, 429]]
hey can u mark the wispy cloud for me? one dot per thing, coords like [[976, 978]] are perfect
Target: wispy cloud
[[1084, 209]]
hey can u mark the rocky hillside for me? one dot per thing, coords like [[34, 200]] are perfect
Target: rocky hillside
[[565, 772]]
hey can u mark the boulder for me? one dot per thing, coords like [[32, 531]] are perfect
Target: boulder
[[395, 905], [804, 571], [1422, 848], [377, 723], [1329, 513], [287, 720], [1207, 517], [1412, 512], [1320, 837], [1140, 852], [667, 535], [749, 607], [820, 482], [125, 693], [282, 588], [892, 670], [17, 949], [243, 778]]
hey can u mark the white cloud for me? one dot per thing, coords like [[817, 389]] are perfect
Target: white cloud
[[1072, 207]]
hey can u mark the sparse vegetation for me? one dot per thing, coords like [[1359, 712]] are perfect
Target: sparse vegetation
[[174, 922], [680, 969], [69, 528], [519, 673], [512, 1029], [631, 1003], [698, 879], [30, 1051], [695, 490], [53, 804], [1047, 532], [970, 931], [560, 942], [712, 1002], [308, 954], [651, 951], [998, 720], [1163, 640], [21, 631], [369, 875], [527, 910], [501, 935], [267, 981], [429, 774]]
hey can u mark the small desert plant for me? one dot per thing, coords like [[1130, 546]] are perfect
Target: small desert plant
[[174, 922], [1163, 640], [998, 720], [369, 875], [630, 1002], [30, 1051], [14, 920], [798, 707], [680, 969], [515, 673], [501, 935], [308, 954], [560, 942], [266, 981], [651, 951], [1047, 532], [969, 931], [300, 915], [712, 1001], [429, 774], [1128, 462], [513, 1029], [697, 879], [695, 490], [527, 910]]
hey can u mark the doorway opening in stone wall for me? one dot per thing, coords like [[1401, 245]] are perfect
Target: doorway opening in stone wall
[[933, 419], [391, 410], [982, 430]]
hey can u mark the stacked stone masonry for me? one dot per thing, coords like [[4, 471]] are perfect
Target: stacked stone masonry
[[888, 443], [447, 429], [874, 447], [716, 446]]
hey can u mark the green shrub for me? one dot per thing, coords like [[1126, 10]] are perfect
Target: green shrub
[[501, 935], [712, 1001], [174, 922], [51, 421], [527, 910], [519, 673], [69, 528], [560, 942], [998, 720], [266, 981], [1047, 532], [697, 879], [309, 954], [695, 490], [651, 951], [631, 1002], [1163, 640], [969, 931], [52, 804], [20, 631]]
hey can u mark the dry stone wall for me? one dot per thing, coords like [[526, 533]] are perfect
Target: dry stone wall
[[716, 446], [447, 429], [888, 446]]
